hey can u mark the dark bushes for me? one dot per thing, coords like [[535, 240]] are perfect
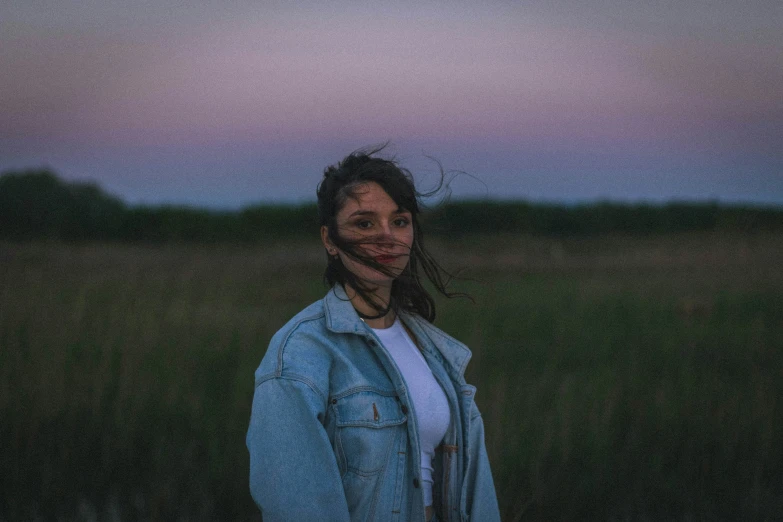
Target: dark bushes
[[38, 205]]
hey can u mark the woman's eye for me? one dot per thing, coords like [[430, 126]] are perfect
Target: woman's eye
[[401, 222], [364, 224]]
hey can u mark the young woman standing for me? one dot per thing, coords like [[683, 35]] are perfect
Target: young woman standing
[[361, 410]]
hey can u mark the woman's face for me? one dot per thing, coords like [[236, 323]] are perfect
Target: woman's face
[[378, 228]]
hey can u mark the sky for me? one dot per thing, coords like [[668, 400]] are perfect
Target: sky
[[225, 103]]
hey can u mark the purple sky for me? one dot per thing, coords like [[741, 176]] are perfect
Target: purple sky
[[227, 103]]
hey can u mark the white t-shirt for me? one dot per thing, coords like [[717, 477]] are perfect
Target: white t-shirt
[[429, 400]]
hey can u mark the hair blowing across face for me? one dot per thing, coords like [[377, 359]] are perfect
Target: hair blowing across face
[[339, 183]]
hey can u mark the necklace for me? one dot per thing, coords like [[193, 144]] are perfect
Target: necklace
[[382, 313], [363, 317]]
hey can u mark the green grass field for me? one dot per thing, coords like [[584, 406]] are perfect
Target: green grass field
[[618, 378]]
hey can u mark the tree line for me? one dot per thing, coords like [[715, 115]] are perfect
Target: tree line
[[37, 205]]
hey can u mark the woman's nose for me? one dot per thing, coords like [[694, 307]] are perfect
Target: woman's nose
[[386, 231], [385, 235]]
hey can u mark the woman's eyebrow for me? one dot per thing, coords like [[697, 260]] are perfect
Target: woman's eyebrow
[[362, 212]]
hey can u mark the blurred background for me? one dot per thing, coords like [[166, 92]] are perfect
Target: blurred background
[[616, 181]]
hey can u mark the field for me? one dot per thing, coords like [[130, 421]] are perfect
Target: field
[[619, 378]]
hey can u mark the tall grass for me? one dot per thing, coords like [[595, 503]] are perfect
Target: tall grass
[[618, 378]]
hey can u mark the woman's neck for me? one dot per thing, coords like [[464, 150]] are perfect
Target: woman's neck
[[381, 295]]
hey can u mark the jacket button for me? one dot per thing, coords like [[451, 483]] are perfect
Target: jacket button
[[404, 409], [334, 401], [416, 483], [371, 343]]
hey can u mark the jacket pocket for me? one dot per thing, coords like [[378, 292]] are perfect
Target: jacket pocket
[[367, 423]]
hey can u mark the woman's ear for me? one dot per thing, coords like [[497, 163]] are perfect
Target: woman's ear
[[328, 245]]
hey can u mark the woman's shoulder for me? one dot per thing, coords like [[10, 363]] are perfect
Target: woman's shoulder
[[312, 317], [300, 348], [454, 352], [433, 332]]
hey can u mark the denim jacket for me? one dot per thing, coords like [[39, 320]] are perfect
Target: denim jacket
[[333, 433]]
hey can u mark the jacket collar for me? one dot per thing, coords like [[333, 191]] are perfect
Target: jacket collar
[[341, 317]]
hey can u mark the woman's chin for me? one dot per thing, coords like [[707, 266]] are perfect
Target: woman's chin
[[378, 280]]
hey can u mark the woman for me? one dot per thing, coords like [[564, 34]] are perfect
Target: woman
[[361, 410]]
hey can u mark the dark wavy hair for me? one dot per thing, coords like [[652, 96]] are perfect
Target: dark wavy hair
[[341, 182]]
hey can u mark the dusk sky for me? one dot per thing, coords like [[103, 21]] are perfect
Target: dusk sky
[[227, 103]]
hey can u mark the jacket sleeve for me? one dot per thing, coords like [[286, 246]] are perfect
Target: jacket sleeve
[[481, 499], [293, 469]]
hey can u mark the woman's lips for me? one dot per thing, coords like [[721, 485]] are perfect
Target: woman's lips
[[386, 259]]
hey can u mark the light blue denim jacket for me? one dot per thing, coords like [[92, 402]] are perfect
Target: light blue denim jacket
[[333, 433]]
